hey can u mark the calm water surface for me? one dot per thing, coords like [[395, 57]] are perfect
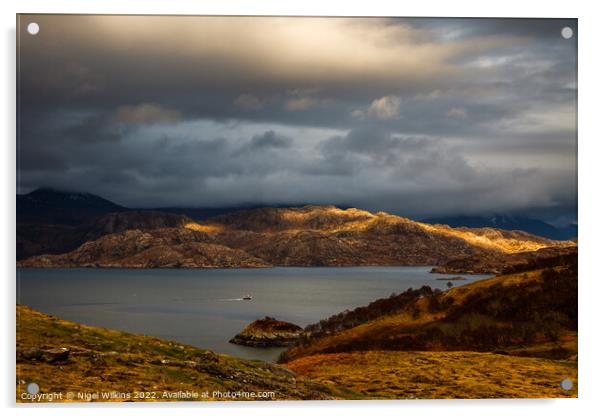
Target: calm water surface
[[204, 307]]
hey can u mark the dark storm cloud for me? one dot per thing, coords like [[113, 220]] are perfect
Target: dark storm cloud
[[267, 140], [415, 116]]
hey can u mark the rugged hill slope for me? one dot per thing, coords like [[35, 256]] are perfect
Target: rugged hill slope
[[63, 357], [528, 313], [308, 236], [164, 247], [509, 336], [33, 239], [502, 263], [329, 236]]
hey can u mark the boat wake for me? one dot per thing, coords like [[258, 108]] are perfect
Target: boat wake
[[210, 300]]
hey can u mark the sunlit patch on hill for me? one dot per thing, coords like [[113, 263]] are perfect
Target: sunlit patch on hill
[[210, 228], [505, 241]]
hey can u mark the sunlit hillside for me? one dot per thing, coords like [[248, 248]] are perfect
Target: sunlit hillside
[[528, 313], [308, 236]]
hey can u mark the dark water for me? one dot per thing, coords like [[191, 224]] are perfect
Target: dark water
[[203, 307]]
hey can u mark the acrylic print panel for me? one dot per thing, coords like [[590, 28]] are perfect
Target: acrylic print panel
[[295, 208]]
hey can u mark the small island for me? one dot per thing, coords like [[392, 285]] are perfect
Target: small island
[[268, 332]]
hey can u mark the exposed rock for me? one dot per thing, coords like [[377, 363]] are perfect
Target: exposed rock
[[268, 332], [54, 355], [51, 355], [33, 353]]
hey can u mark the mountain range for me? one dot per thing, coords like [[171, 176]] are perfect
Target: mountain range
[[52, 206], [262, 237]]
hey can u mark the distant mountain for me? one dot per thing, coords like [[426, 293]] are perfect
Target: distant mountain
[[56, 207], [509, 222]]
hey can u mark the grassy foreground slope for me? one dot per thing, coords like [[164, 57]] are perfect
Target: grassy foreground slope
[[102, 360], [437, 375]]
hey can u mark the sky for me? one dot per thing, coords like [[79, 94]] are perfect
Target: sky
[[415, 116]]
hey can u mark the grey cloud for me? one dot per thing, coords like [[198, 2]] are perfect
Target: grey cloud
[[248, 102], [145, 113], [269, 139]]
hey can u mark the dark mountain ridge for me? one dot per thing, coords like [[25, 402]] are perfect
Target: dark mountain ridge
[[56, 207], [509, 222]]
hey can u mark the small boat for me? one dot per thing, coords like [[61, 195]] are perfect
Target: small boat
[[247, 297]]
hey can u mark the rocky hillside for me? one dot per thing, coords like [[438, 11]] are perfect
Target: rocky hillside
[[164, 247], [502, 263], [351, 222], [268, 332], [33, 239], [65, 357], [116, 222], [310, 217], [329, 236], [308, 236]]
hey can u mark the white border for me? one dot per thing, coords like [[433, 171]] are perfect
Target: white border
[[589, 199]]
